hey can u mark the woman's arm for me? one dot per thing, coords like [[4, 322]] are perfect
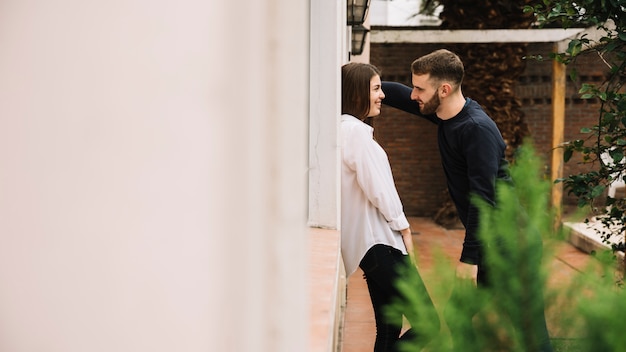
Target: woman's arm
[[408, 243]]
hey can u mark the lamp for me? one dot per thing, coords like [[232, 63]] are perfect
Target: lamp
[[359, 34], [357, 10]]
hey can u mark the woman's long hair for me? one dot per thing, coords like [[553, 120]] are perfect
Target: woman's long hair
[[355, 88]]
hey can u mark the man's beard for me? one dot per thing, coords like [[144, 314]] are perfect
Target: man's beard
[[431, 106]]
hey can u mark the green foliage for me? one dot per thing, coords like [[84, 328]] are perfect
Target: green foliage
[[428, 7], [580, 13], [508, 315], [599, 304], [513, 231], [605, 146]]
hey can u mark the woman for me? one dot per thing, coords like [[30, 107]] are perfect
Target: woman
[[375, 233]]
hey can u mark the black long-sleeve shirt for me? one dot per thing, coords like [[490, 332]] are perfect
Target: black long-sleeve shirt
[[472, 155]]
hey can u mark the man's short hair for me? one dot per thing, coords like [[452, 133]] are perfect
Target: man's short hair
[[441, 65]]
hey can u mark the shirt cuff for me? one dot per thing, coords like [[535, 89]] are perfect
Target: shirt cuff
[[470, 255], [399, 223]]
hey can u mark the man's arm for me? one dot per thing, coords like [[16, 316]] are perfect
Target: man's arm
[[398, 96], [467, 272], [484, 152]]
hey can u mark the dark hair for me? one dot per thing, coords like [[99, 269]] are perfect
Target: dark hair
[[442, 65], [355, 88]]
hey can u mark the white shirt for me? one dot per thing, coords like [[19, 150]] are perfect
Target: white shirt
[[371, 210]]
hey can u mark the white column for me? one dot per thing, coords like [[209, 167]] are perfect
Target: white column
[[153, 162], [328, 53]]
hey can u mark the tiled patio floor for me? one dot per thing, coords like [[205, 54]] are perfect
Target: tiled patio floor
[[359, 328]]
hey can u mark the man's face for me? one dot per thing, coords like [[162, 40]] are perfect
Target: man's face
[[425, 94]]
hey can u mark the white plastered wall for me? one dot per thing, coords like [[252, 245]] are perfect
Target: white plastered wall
[[328, 53], [153, 163]]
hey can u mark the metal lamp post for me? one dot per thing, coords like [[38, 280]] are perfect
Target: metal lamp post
[[357, 11], [359, 36]]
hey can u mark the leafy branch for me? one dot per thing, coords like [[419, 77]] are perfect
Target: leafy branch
[[605, 147]]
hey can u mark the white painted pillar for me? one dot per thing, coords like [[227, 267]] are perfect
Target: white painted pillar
[[328, 52], [153, 162]]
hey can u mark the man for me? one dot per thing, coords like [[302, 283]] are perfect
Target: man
[[470, 145]]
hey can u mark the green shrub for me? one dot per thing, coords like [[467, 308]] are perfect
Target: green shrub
[[508, 316]]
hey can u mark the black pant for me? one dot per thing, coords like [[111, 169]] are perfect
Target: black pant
[[383, 266]]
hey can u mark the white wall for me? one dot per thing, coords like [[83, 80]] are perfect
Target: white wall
[[329, 50], [153, 175]]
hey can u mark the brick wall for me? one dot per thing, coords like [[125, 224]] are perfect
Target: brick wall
[[411, 142]]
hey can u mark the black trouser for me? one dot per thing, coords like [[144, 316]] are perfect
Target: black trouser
[[383, 265]]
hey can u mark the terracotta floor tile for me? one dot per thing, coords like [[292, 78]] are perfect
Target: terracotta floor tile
[[564, 263]]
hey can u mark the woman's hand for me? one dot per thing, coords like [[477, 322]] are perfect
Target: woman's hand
[[408, 243]]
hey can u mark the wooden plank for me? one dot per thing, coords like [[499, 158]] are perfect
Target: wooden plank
[[413, 35], [558, 133]]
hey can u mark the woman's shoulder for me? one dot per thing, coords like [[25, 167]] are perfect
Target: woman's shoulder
[[355, 129], [349, 121]]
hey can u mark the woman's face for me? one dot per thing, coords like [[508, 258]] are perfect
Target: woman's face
[[376, 96]]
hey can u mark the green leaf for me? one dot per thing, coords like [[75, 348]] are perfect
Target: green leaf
[[617, 155], [567, 154], [597, 191], [575, 47], [585, 88]]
